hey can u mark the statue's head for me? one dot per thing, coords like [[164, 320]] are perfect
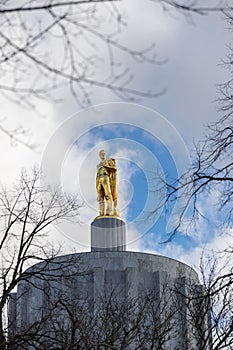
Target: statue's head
[[102, 154]]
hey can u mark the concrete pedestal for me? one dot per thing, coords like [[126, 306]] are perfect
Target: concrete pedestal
[[108, 234]]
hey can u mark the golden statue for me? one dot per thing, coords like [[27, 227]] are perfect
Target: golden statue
[[106, 185]]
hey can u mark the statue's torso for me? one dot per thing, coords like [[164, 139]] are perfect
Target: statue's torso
[[104, 168], [101, 170]]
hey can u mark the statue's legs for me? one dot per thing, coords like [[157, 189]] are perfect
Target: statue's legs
[[101, 207], [104, 180], [109, 208], [108, 196], [100, 199]]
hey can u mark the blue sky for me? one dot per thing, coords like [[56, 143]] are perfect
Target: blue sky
[[151, 134]]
